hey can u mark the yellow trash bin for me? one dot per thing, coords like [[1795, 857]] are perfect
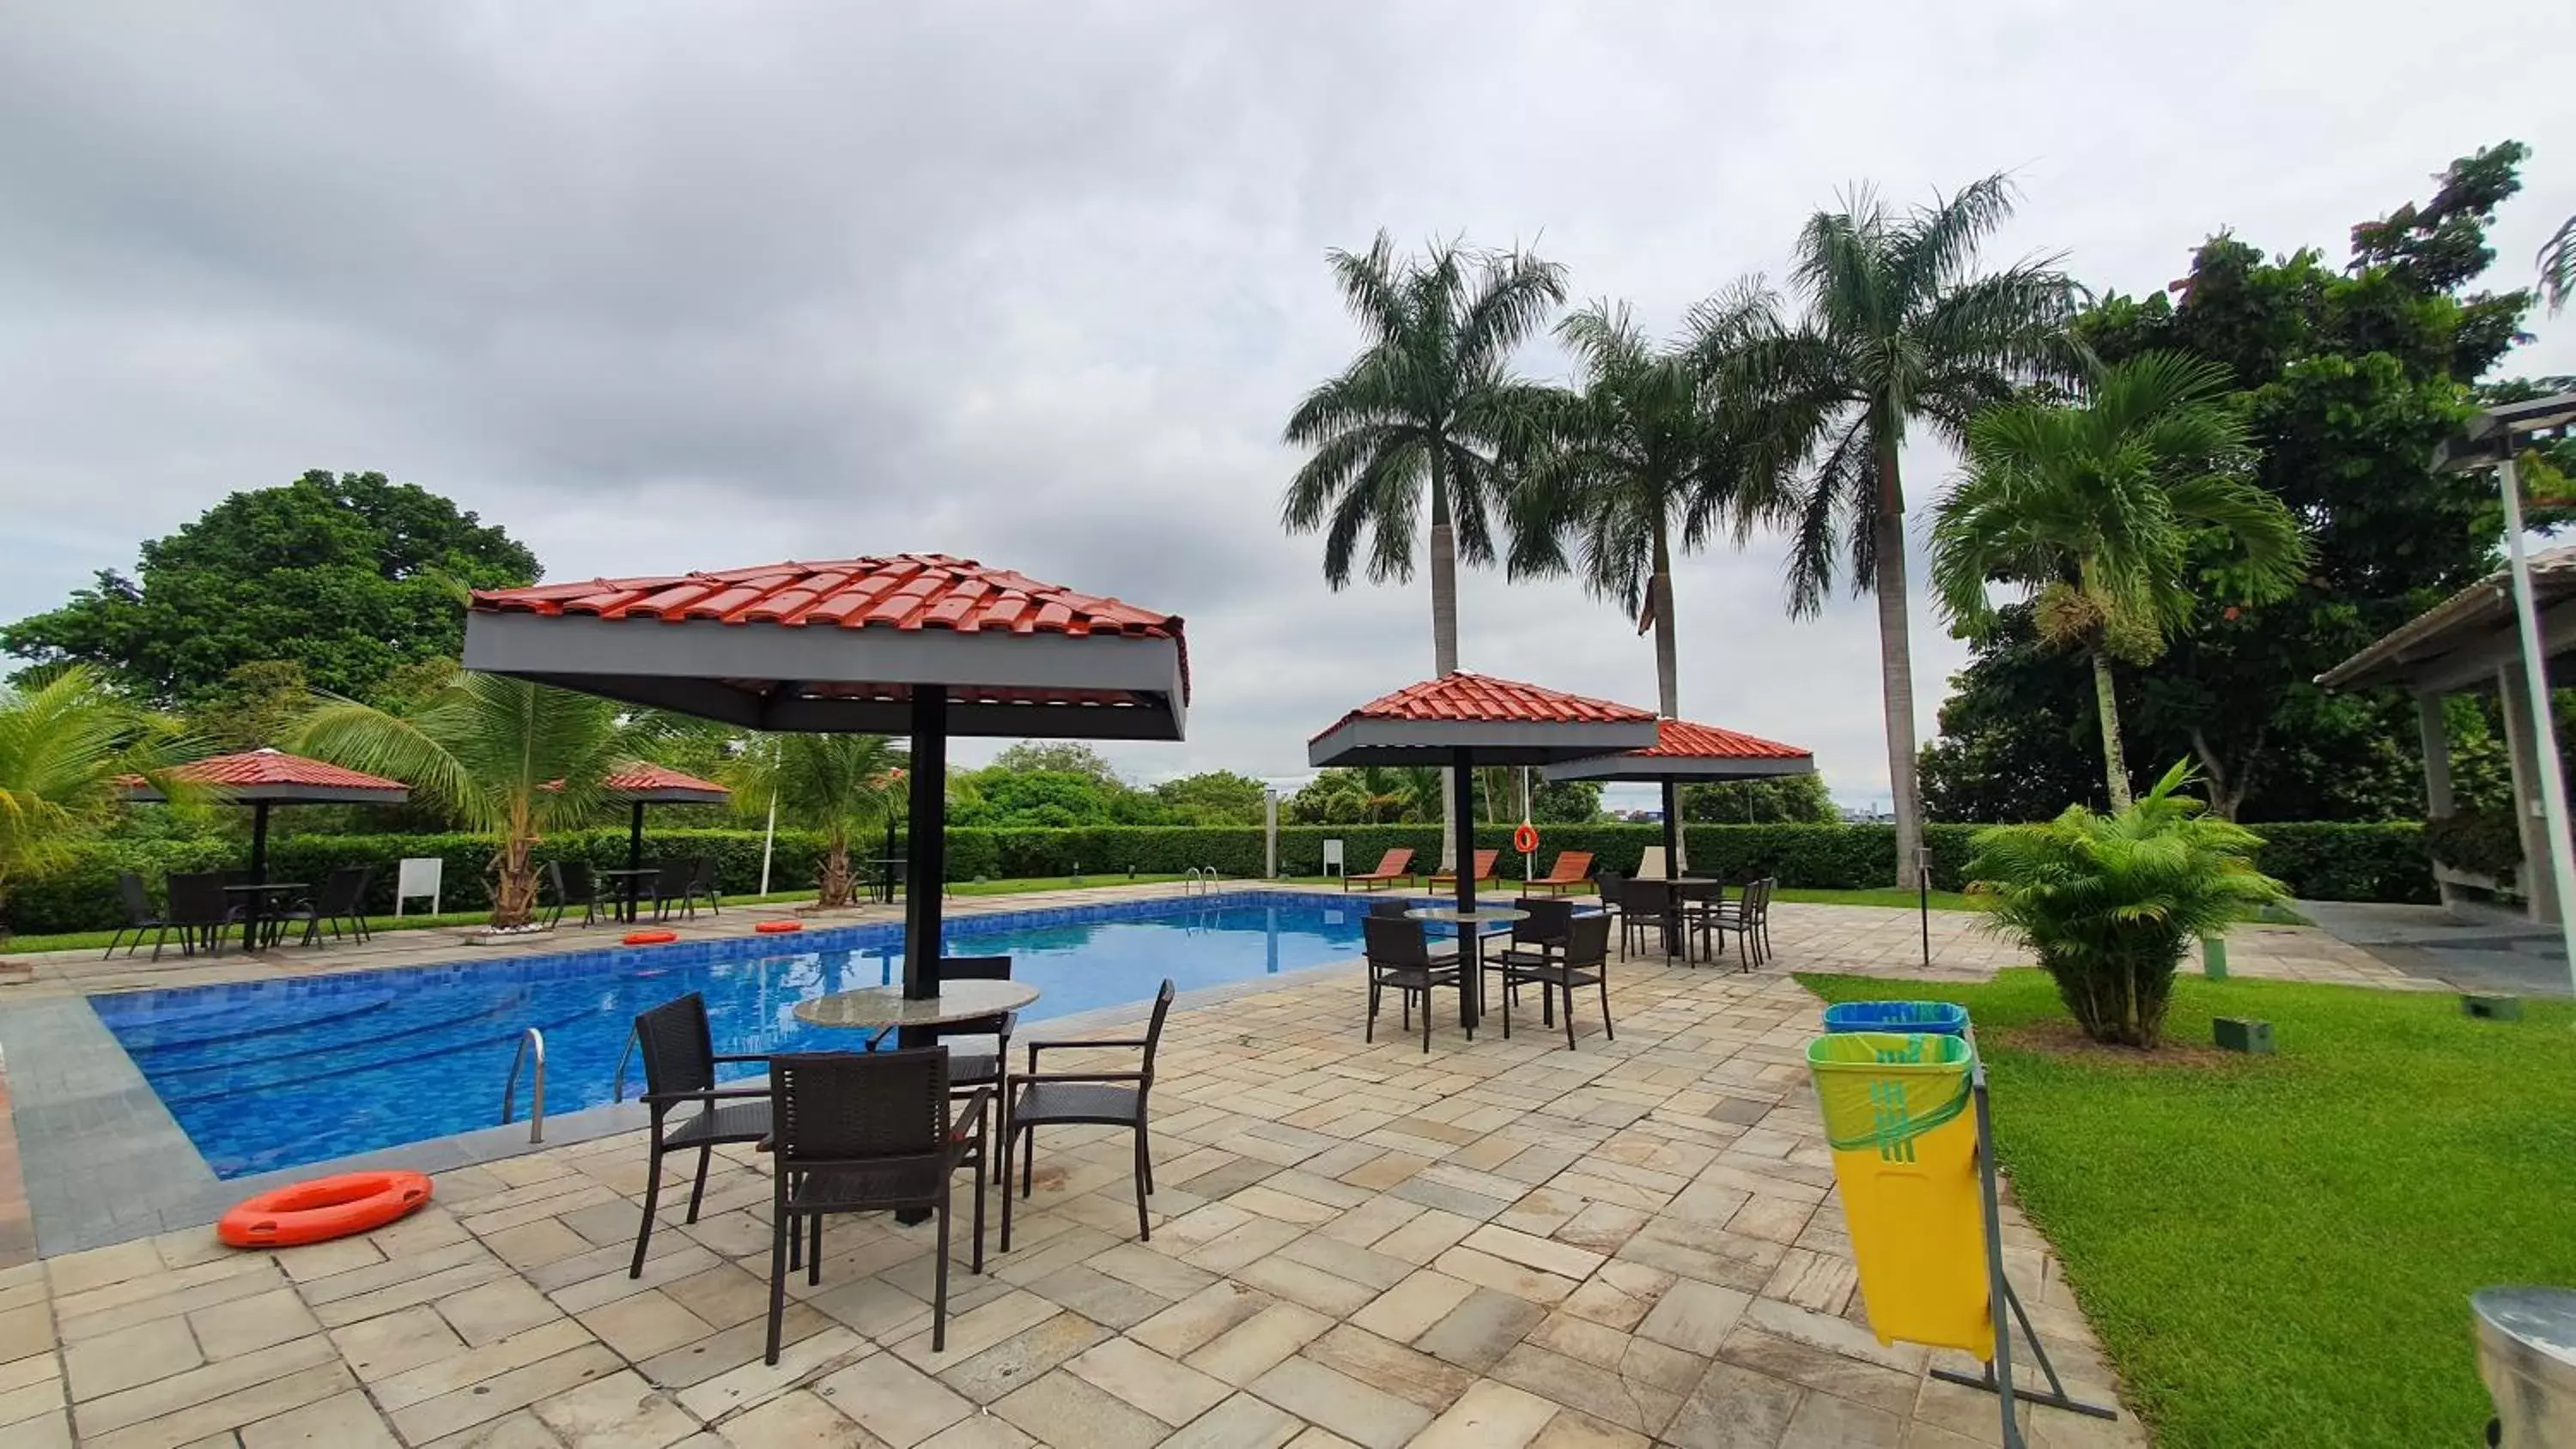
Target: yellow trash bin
[[1904, 1136]]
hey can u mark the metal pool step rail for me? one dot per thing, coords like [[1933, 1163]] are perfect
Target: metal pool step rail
[[531, 1042], [1199, 880]]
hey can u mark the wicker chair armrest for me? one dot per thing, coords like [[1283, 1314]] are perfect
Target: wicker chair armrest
[[713, 1094], [1026, 1078], [753, 1057], [971, 1114], [1138, 1043]]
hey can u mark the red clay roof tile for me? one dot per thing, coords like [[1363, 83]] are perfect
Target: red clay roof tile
[[637, 779], [1681, 739], [1484, 698], [276, 767]]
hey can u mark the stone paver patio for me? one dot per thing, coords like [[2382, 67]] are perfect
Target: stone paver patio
[[1496, 1244]]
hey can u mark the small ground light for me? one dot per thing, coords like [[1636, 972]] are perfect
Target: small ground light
[[2492, 1008], [2244, 1034]]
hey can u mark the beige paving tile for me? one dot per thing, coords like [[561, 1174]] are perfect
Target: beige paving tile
[[1489, 1416], [1341, 1404], [1065, 1410], [644, 1325], [798, 1420], [1200, 1318], [498, 1395], [1023, 1358], [342, 1421], [1251, 1348], [474, 1365], [894, 1401], [1404, 1312], [1241, 1422], [230, 1329], [1433, 1383], [520, 1429], [164, 1397], [1169, 1391], [619, 1411], [137, 1355], [489, 1312], [741, 1388]]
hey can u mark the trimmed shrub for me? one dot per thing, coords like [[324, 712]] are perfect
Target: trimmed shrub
[[2381, 862]]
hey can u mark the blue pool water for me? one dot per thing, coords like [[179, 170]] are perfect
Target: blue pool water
[[278, 1073]]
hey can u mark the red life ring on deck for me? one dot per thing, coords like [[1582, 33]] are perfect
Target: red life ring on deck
[[651, 938], [323, 1209], [778, 928], [1525, 839]]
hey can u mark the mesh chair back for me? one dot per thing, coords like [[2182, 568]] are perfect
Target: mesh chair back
[[1643, 897], [831, 1107], [1548, 921], [705, 883], [671, 878], [197, 898], [1154, 1032], [679, 1050], [1587, 940], [1390, 908], [973, 968], [1612, 885], [1395, 941], [342, 889], [574, 884], [138, 901]]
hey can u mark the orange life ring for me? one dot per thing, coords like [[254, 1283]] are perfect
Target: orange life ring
[[778, 928], [651, 938], [325, 1208], [1525, 839]]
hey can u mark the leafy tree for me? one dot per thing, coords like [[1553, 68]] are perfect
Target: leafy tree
[[1215, 797], [256, 704], [1062, 757], [1638, 458], [1430, 405], [2352, 379], [1898, 328], [2096, 511], [2018, 739], [841, 786], [2557, 262], [65, 740], [1368, 795], [2111, 902], [515, 759], [1048, 799], [1776, 799], [1566, 802], [347, 577]]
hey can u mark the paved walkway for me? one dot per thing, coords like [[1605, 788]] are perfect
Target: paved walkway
[[1494, 1244]]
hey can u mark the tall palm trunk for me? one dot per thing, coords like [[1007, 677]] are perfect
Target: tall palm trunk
[[2106, 703], [1896, 664], [514, 887], [1668, 684], [1444, 637], [832, 878]]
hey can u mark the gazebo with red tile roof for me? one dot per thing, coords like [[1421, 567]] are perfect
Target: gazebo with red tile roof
[[1688, 753], [1462, 720], [643, 784], [920, 645], [264, 778]]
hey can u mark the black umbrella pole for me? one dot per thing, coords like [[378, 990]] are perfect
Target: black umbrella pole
[[926, 850], [1462, 802], [635, 838]]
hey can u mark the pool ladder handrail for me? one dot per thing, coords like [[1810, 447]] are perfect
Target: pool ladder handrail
[[536, 1040], [1199, 880], [617, 1093]]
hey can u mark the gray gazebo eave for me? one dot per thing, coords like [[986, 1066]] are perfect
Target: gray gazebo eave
[[828, 679], [1493, 742], [283, 795]]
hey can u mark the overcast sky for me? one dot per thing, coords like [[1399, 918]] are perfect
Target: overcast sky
[[662, 287]]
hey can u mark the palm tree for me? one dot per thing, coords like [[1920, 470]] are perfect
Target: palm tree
[[2557, 262], [1898, 329], [838, 785], [1429, 405], [505, 756], [1637, 458], [65, 743], [2105, 512]]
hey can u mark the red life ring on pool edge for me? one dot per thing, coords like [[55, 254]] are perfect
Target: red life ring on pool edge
[[651, 938], [778, 928], [323, 1209], [1525, 839]]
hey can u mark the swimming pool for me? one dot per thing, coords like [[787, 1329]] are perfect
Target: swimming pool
[[270, 1074]]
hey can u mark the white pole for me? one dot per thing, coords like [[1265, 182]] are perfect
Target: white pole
[[1270, 834], [2544, 726], [1525, 814], [768, 838]]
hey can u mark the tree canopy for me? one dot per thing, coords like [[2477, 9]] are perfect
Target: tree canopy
[[347, 578]]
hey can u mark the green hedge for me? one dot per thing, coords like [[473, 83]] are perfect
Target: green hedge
[[2320, 861]]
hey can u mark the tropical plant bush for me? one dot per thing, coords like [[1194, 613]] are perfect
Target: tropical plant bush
[[64, 743], [840, 787], [2111, 902], [2483, 842]]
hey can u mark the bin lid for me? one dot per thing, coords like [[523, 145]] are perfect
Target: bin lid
[[2539, 1319]]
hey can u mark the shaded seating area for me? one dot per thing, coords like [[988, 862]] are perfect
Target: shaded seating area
[[263, 780], [1394, 866], [340, 906]]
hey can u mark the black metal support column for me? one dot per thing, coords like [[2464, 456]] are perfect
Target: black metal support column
[[1673, 868], [635, 838], [926, 848], [1471, 942], [251, 900]]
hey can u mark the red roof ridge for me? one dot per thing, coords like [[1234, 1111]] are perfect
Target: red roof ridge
[[1466, 695], [1691, 739]]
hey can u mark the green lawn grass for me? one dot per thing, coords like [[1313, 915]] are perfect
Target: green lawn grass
[[2281, 1250], [1882, 896]]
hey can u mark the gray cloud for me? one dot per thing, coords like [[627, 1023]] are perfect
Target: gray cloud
[[691, 286]]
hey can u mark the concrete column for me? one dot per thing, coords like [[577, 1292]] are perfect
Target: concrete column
[[2535, 876], [2436, 731]]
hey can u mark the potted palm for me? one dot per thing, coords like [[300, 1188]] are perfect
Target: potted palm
[[2112, 902]]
